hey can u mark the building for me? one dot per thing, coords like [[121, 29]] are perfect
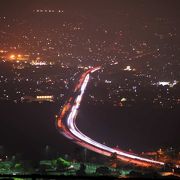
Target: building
[[46, 98]]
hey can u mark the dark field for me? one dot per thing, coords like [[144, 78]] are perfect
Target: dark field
[[28, 128]]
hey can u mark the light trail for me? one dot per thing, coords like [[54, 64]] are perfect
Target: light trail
[[66, 123]]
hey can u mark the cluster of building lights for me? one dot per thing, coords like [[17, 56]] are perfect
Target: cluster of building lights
[[18, 57], [48, 11], [38, 63], [128, 68], [167, 83], [44, 97]]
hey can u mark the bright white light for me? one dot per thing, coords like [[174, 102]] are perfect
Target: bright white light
[[128, 68], [167, 83], [163, 83], [88, 142]]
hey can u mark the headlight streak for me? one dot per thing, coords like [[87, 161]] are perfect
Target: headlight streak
[[85, 141]]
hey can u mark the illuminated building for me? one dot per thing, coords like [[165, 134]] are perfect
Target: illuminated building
[[48, 98], [18, 57], [38, 63], [167, 83], [128, 68], [44, 98]]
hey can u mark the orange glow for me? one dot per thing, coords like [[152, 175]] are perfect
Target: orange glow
[[59, 123], [12, 56]]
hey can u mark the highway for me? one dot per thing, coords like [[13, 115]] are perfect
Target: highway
[[66, 124]]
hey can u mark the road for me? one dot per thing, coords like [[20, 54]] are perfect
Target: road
[[66, 124]]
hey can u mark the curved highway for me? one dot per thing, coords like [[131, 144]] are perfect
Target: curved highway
[[67, 126]]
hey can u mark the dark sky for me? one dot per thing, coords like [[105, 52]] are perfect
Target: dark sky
[[157, 7]]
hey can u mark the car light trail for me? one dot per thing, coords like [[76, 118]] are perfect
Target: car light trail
[[68, 127]]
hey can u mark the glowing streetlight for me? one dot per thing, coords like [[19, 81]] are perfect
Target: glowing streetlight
[[12, 56]]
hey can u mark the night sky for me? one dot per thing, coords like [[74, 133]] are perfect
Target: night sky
[[138, 7]]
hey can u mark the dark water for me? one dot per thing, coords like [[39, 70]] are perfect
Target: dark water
[[28, 128]]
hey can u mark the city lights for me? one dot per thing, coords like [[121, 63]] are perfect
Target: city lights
[[109, 68]]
